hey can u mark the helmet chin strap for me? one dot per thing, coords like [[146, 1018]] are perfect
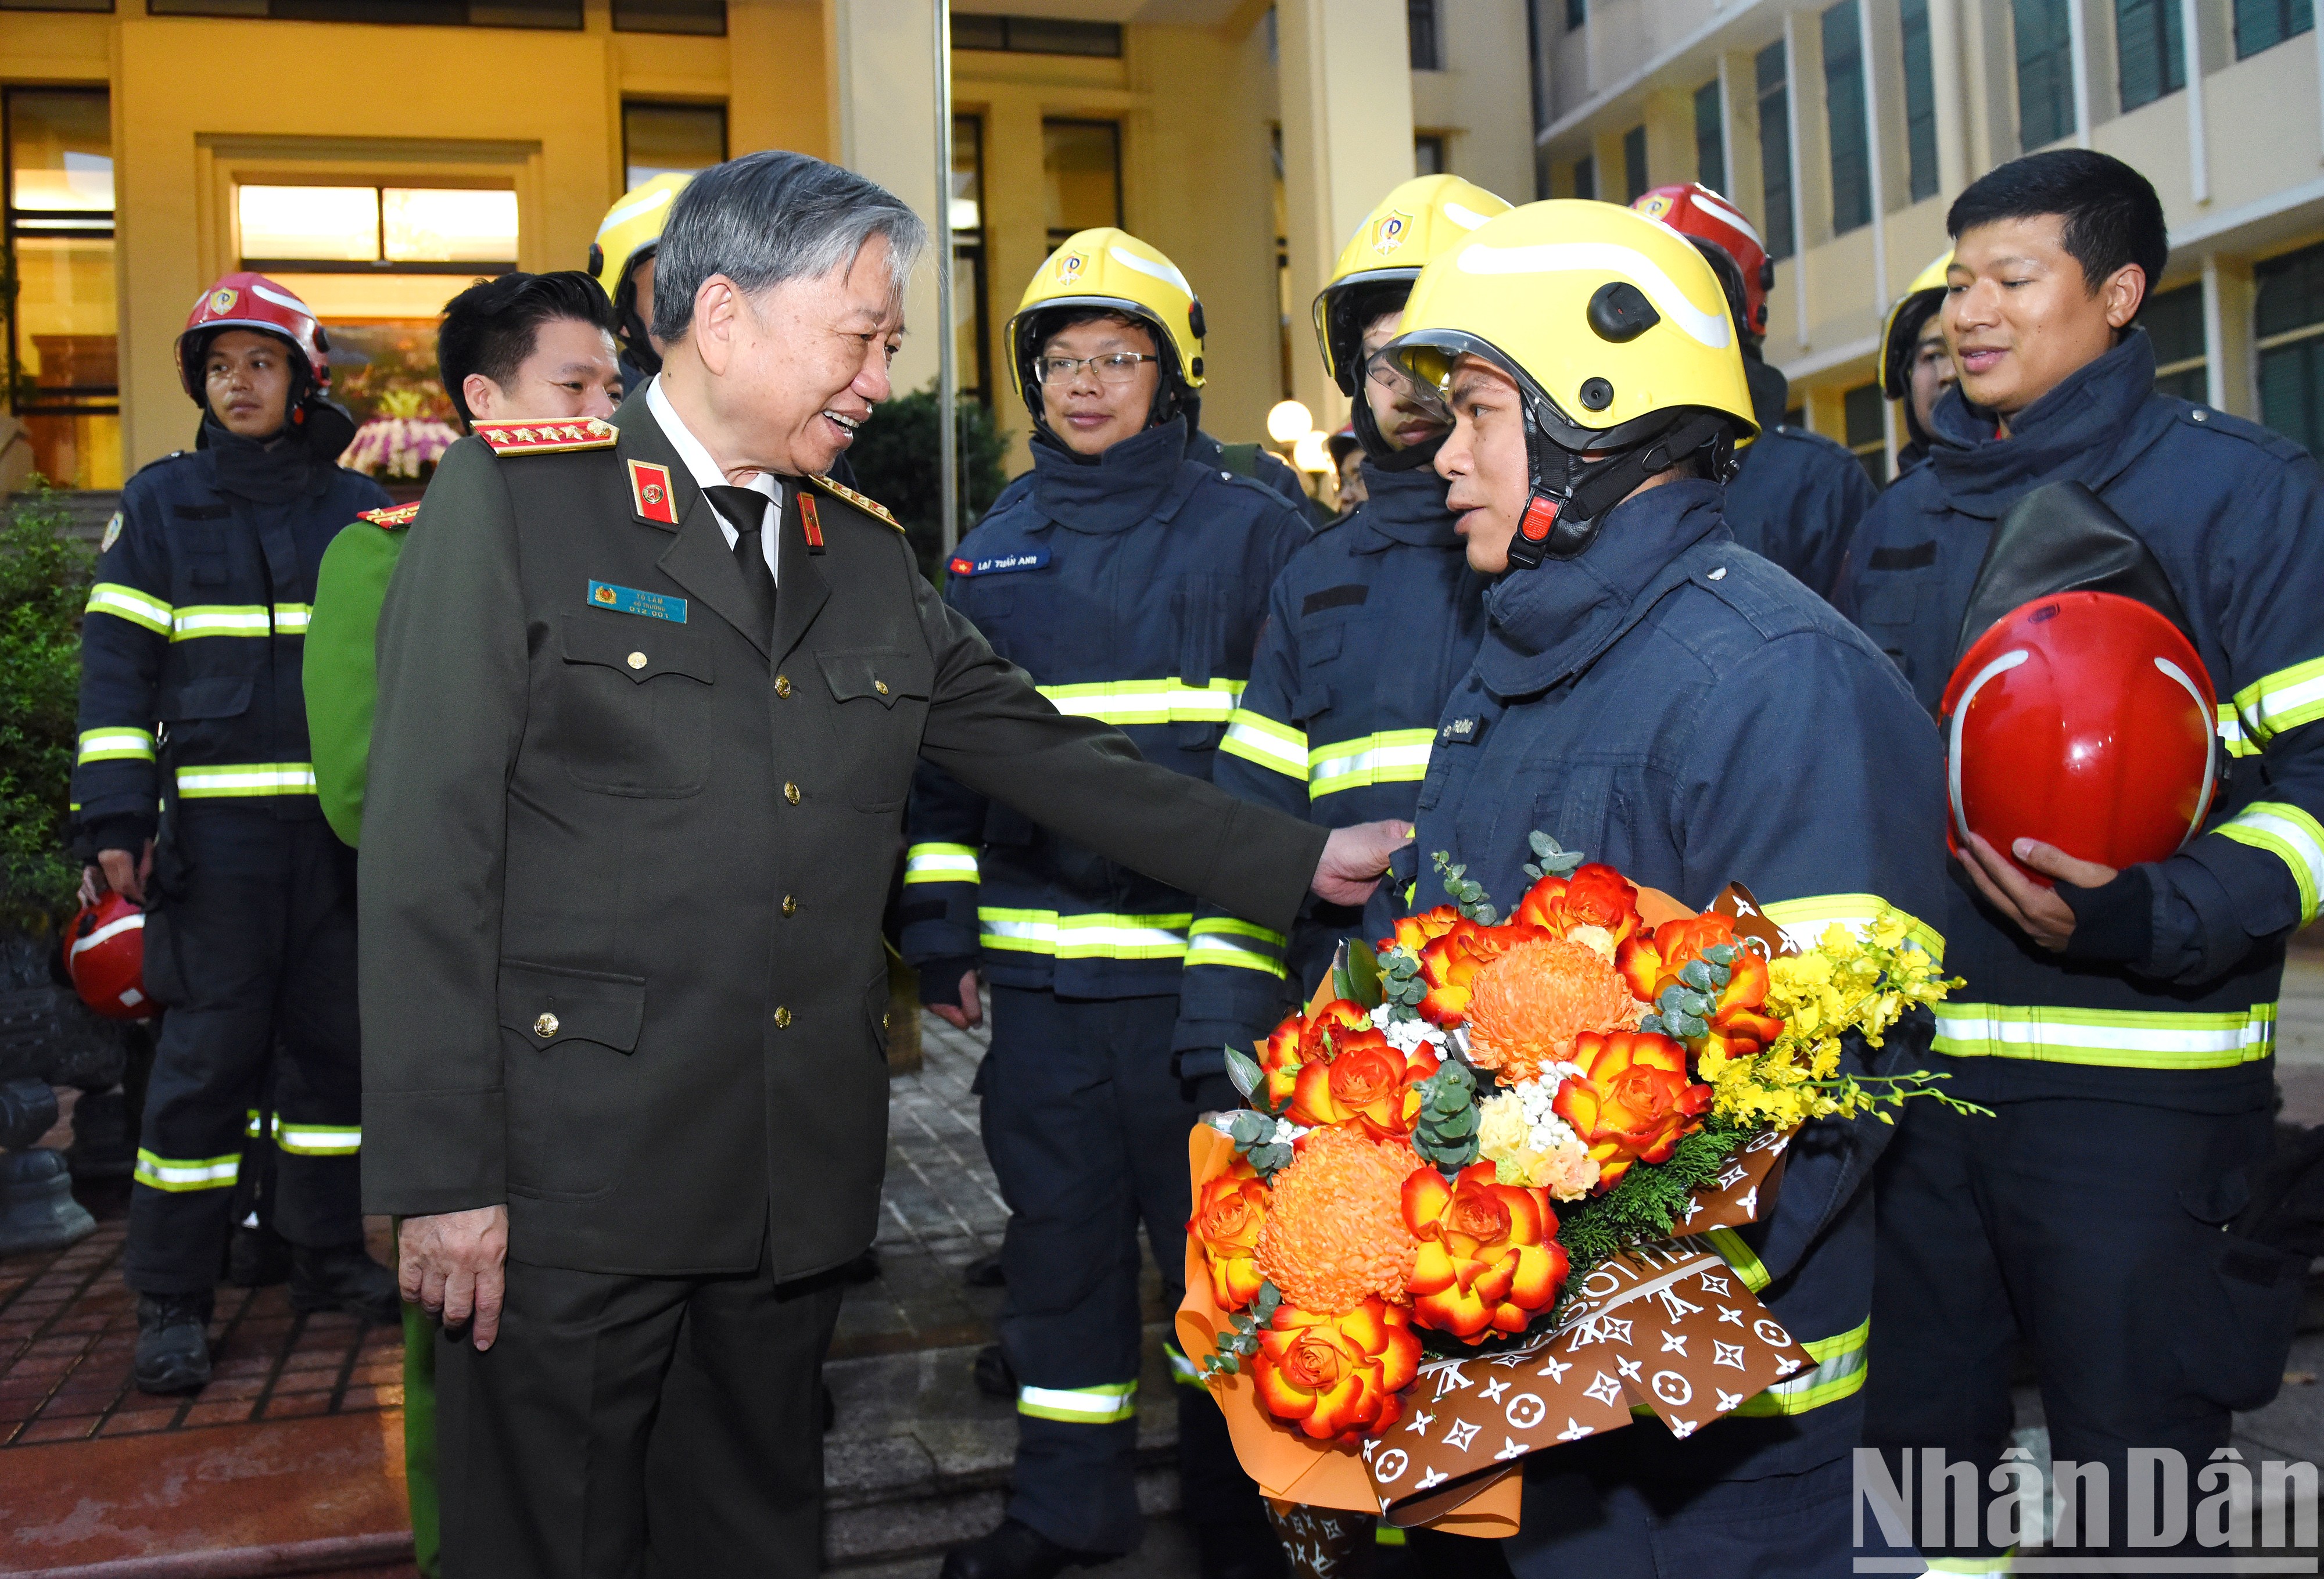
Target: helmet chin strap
[[1564, 513]]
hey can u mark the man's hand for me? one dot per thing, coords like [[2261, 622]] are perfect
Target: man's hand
[[2036, 911], [969, 1012], [452, 1265], [1355, 858], [124, 876]]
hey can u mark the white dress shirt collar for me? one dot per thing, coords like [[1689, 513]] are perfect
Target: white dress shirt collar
[[705, 471]]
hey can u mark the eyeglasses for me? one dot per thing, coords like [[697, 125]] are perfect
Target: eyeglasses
[[1117, 367]]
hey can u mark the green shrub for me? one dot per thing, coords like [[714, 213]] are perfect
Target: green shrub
[[44, 580], [897, 462]]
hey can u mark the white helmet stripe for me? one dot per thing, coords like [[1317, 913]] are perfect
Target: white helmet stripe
[[1999, 666], [1166, 273], [629, 211], [1604, 257], [281, 298], [1710, 203], [1467, 219]]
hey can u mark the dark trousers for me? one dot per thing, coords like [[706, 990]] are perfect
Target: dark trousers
[[253, 948], [2090, 1233], [621, 1428], [1586, 1512], [1086, 1127]]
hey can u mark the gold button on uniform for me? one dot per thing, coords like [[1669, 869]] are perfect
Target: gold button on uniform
[[782, 685], [782, 1019], [879, 686], [637, 661], [546, 1025], [885, 1018], [791, 906], [790, 793]]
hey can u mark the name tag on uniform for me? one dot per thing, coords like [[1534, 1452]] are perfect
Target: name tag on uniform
[[1466, 731], [629, 600], [992, 564]]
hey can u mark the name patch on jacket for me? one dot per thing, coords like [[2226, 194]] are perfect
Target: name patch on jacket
[[1918, 557], [992, 564], [629, 600], [1335, 598], [1466, 731]]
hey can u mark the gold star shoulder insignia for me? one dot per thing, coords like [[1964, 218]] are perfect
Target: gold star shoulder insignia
[[547, 438], [393, 517], [870, 506]]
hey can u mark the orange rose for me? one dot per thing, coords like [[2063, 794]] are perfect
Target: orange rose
[[1336, 1376], [1450, 964], [1632, 1101], [1489, 1257], [1227, 1218], [1596, 895], [1416, 932], [1302, 1039], [1366, 1080], [1651, 965]]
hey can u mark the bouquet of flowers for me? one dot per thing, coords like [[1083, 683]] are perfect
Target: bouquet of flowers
[[401, 440], [1483, 1137]]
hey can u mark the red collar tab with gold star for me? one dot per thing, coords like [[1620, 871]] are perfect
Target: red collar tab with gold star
[[872, 507], [547, 437], [810, 525], [394, 518], [651, 491]]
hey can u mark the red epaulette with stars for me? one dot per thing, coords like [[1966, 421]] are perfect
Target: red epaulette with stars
[[393, 517], [547, 437], [872, 507]]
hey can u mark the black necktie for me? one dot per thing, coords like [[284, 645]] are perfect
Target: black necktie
[[745, 509]]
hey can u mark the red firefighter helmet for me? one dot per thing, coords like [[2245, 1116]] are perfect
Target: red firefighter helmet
[[2084, 720], [105, 955], [253, 301], [1702, 214]]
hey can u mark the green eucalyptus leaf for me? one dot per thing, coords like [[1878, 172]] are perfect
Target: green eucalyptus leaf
[[1244, 1071], [1363, 973]]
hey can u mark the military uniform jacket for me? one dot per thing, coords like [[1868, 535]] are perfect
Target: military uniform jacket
[[625, 856], [1132, 591], [194, 633], [2236, 516], [1672, 704], [1367, 631]]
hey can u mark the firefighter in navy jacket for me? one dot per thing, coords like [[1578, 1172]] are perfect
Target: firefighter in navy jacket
[[1129, 581], [192, 720], [2123, 1024], [1795, 496], [1367, 630], [1651, 693]]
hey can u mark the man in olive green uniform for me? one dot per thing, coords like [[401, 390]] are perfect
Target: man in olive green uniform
[[650, 698]]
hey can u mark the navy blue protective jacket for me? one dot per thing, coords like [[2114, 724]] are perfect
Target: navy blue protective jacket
[[2184, 1014], [1131, 590], [1674, 705], [1367, 632], [194, 637], [1267, 467], [1796, 496]]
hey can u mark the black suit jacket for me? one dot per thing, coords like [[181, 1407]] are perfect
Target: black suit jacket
[[622, 876]]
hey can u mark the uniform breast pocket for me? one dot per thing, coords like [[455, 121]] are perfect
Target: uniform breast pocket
[[569, 1049], [1885, 608], [880, 706], [633, 708]]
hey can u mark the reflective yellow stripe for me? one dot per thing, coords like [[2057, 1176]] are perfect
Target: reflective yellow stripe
[[179, 1174], [243, 619], [1182, 1371], [1121, 702], [2231, 731], [318, 1140], [1839, 1372], [1256, 738], [1095, 936], [940, 864], [1737, 1254], [116, 745], [1081, 1406], [1804, 920], [1222, 940], [1392, 756], [257, 1126], [2283, 700], [246, 779], [126, 603], [2292, 836], [2119, 1038]]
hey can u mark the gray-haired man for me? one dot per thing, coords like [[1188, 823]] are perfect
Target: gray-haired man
[[651, 697]]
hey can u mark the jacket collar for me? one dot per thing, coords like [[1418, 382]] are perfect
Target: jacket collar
[[1553, 621], [2085, 430], [1402, 507], [1135, 480]]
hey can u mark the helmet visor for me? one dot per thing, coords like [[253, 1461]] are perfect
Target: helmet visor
[[1430, 357]]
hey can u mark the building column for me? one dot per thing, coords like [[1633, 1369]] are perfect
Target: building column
[[1341, 149], [883, 102]]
